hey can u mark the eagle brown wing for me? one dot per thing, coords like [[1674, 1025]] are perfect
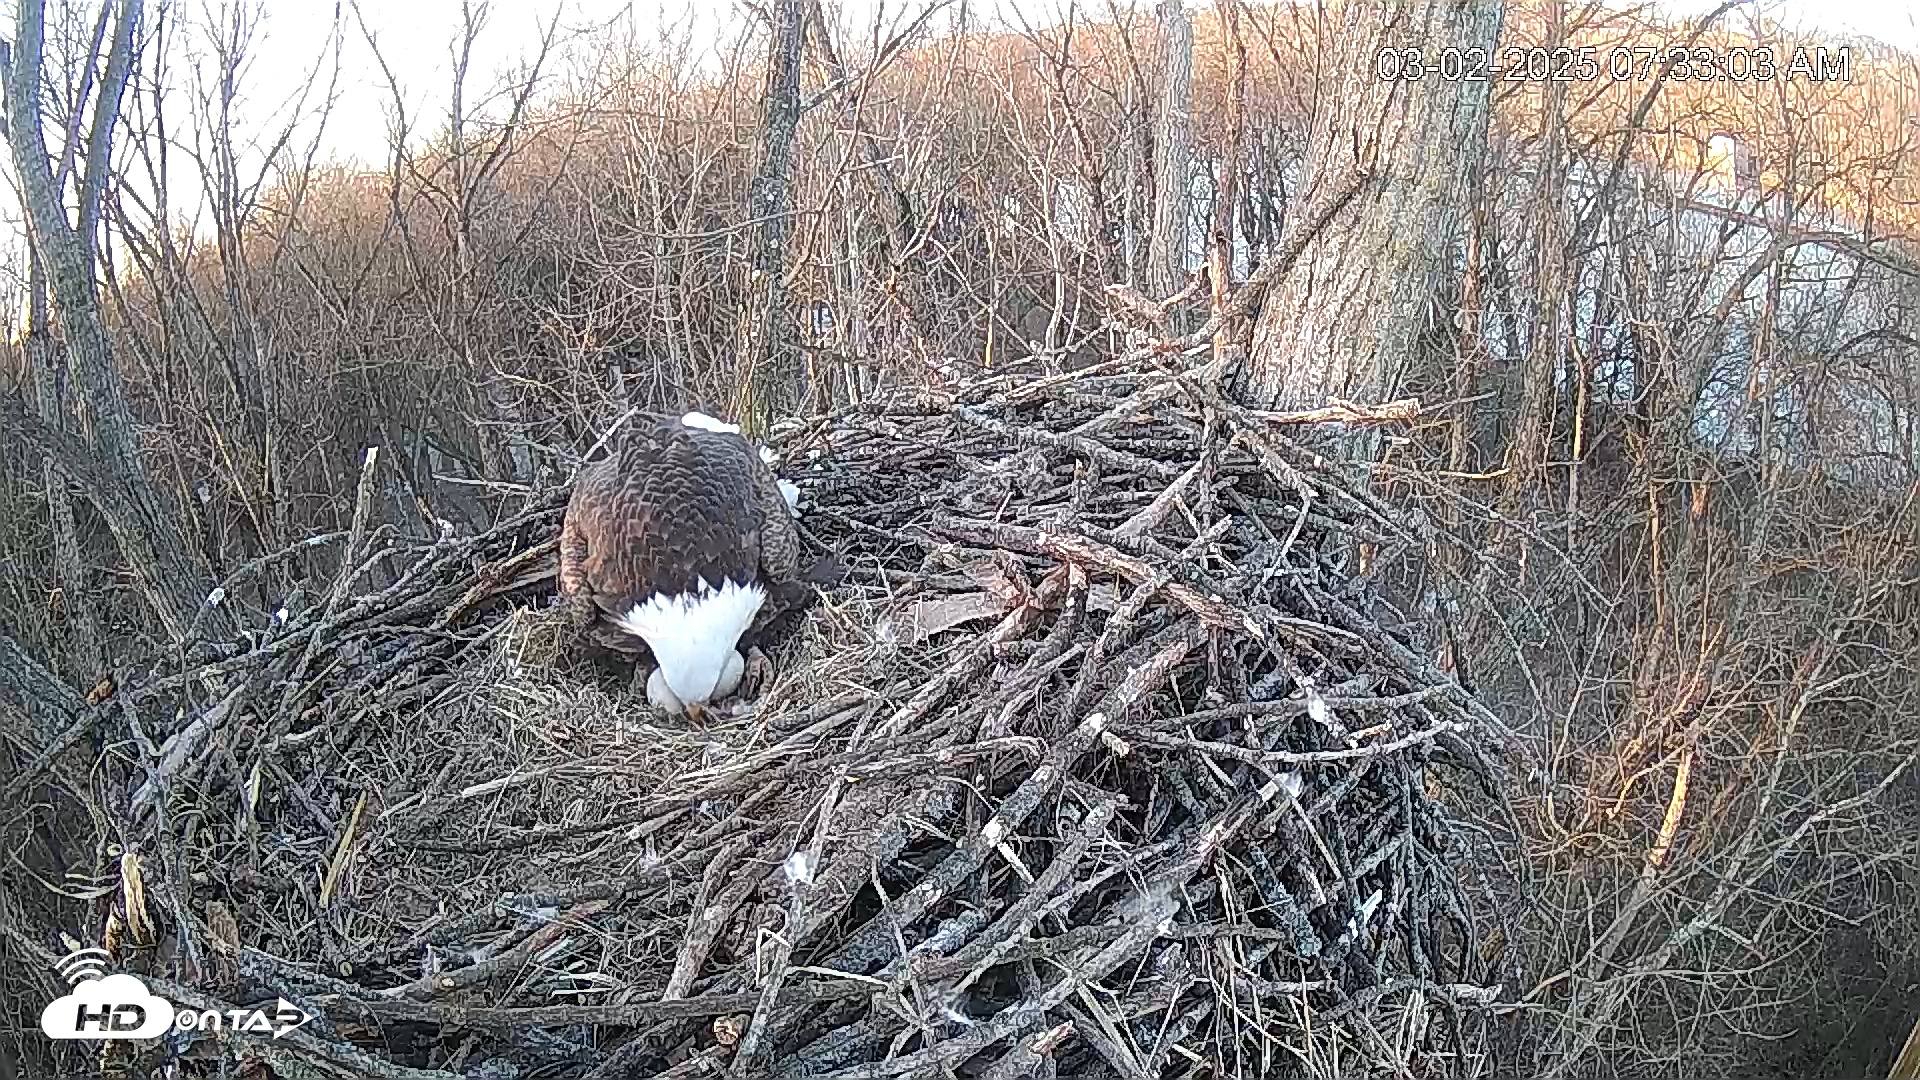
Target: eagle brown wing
[[788, 590], [670, 508], [779, 540]]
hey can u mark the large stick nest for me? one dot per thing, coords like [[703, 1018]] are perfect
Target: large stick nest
[[1107, 758]]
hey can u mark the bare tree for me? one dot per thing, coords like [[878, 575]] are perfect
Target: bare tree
[[1345, 321], [769, 376], [1545, 351], [105, 458], [906, 228], [1173, 153], [1226, 192]]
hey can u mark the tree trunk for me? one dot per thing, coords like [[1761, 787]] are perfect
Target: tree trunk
[[69, 566], [1226, 192], [1541, 368], [1173, 155], [32, 692], [112, 468], [1346, 320], [770, 372]]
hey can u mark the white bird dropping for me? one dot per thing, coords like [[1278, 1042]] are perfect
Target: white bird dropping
[[1292, 783], [1317, 706], [799, 868], [1358, 924]]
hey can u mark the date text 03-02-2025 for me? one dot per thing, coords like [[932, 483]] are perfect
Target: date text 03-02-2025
[[1697, 63]]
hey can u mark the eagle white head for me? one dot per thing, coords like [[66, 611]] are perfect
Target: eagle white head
[[702, 422], [693, 638]]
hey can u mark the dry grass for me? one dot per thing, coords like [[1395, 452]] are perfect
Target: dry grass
[[539, 770]]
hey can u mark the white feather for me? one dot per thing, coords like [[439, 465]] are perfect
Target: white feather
[[791, 492], [692, 636], [704, 422]]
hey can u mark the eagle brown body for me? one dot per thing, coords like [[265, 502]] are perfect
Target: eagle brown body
[[676, 511]]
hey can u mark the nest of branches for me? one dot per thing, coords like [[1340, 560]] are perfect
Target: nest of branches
[[1105, 760]]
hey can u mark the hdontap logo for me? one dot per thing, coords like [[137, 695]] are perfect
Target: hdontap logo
[[118, 1006]]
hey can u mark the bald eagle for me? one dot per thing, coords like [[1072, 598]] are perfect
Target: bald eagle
[[681, 537]]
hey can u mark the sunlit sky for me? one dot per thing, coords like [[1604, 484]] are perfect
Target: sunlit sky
[[416, 37]]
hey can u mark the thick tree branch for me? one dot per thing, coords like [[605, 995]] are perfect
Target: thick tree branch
[[113, 496], [112, 467], [49, 705], [106, 116]]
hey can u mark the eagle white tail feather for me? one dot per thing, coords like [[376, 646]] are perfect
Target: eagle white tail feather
[[694, 636]]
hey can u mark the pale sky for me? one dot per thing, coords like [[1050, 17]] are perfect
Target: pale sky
[[1891, 21], [416, 37]]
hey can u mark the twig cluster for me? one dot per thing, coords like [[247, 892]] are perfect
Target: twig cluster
[[1108, 758]]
